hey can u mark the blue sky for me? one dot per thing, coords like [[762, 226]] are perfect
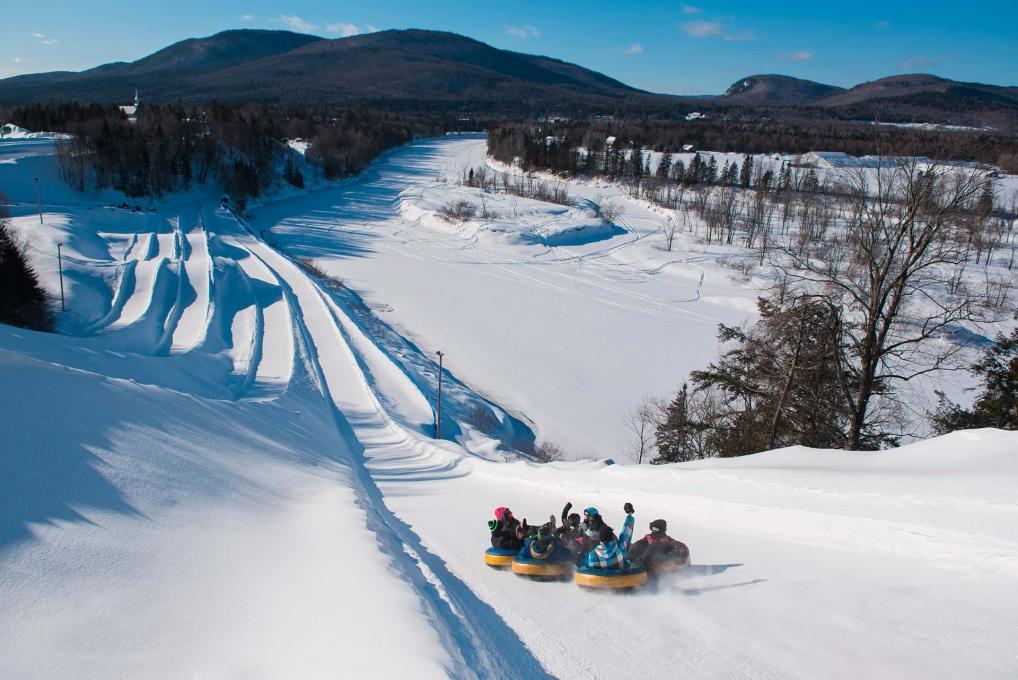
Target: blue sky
[[692, 48]]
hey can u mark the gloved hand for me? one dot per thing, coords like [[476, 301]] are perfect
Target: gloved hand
[[628, 507]]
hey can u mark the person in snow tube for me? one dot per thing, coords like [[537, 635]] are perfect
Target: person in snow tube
[[608, 551], [594, 530], [571, 532], [607, 565], [543, 555], [507, 532], [658, 548]]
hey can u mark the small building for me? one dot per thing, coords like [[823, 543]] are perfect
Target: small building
[[131, 110]]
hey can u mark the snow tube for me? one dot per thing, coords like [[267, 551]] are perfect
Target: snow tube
[[540, 569], [630, 577], [499, 558], [667, 565]]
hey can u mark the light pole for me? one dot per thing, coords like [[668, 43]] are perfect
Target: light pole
[[38, 200], [438, 420], [60, 265]]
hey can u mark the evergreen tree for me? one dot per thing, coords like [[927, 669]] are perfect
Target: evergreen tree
[[673, 432], [695, 173], [664, 166], [781, 381], [746, 174], [679, 172], [997, 406], [710, 175], [22, 300]]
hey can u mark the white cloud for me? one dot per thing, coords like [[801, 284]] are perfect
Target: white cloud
[[44, 40], [800, 55], [345, 30], [296, 23], [247, 18], [701, 29], [370, 28], [742, 36], [918, 62], [635, 48], [689, 9], [19, 60], [522, 31]]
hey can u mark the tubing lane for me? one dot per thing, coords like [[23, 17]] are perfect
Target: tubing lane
[[486, 645]]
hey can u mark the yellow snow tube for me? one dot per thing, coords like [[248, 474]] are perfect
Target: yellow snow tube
[[499, 559], [537, 568], [611, 578]]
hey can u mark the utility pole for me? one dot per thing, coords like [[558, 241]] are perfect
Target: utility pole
[[60, 265], [37, 199], [438, 420]]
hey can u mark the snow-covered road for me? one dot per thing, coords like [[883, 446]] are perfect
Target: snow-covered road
[[227, 469]]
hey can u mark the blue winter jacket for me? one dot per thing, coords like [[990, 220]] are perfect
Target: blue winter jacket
[[612, 554]]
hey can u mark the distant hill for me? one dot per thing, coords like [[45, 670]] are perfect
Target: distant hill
[[777, 90], [444, 72], [279, 66], [911, 85]]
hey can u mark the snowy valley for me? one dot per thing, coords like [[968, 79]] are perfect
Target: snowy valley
[[223, 465]]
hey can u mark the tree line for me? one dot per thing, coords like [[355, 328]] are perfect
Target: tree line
[[562, 146], [172, 147]]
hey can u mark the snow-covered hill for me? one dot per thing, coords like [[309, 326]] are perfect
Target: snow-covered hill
[[224, 466]]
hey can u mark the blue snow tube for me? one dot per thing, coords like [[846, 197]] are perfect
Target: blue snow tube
[[629, 577], [499, 558]]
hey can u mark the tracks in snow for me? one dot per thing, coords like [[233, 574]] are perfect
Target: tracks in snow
[[340, 359]]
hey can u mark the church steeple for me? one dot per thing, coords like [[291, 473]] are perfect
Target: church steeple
[[137, 99]]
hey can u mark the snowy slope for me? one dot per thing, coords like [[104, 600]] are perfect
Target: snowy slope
[[223, 467]]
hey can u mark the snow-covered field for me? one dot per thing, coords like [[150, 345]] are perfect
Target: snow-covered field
[[555, 316], [223, 468]]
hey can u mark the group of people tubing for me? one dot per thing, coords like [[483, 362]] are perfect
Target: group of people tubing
[[588, 541]]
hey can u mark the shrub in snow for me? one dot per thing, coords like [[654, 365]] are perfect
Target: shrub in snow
[[457, 211]]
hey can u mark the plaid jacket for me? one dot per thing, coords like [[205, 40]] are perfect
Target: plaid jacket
[[612, 555]]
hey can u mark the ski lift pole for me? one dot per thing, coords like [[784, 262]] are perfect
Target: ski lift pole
[[438, 419], [38, 201], [60, 266]]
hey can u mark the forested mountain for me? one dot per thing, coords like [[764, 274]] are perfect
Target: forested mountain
[[434, 71], [777, 90], [278, 66]]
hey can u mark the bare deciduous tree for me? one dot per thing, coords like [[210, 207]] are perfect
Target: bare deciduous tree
[[892, 288], [641, 421]]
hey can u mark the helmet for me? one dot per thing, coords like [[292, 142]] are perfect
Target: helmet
[[658, 526], [500, 513]]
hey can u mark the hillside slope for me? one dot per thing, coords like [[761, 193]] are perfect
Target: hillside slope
[[273, 66]]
